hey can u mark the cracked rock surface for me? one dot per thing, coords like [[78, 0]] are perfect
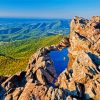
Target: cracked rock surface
[[80, 80]]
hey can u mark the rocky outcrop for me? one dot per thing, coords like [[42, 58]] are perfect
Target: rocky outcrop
[[85, 35], [84, 59], [41, 92], [80, 80], [37, 82]]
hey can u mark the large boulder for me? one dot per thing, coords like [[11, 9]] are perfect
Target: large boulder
[[84, 59], [85, 35]]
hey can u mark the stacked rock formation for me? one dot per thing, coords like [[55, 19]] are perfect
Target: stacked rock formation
[[84, 59], [80, 80]]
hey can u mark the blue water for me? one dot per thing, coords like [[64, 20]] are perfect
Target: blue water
[[60, 60]]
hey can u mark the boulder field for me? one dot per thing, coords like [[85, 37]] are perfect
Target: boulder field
[[79, 81]]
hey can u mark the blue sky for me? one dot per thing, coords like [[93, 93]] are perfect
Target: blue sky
[[49, 8]]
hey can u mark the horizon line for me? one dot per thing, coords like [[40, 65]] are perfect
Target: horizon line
[[39, 17], [26, 17], [34, 17]]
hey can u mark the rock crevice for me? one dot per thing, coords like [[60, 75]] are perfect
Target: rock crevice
[[80, 80]]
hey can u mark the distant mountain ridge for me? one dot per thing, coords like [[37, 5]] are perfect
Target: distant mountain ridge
[[19, 30]]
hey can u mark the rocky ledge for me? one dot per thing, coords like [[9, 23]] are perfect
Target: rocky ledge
[[80, 80]]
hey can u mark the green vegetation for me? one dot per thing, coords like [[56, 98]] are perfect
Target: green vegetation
[[10, 31], [14, 56]]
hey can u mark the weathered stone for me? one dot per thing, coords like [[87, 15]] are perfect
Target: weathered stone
[[33, 91], [84, 59], [16, 94], [69, 98], [81, 79], [40, 77], [8, 97]]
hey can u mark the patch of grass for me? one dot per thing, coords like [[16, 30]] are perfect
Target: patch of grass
[[14, 56]]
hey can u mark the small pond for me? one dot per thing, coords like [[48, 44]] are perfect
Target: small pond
[[60, 60]]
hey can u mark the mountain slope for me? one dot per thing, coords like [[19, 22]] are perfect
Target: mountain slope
[[14, 55], [12, 31]]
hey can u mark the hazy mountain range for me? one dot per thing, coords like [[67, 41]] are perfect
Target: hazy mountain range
[[18, 29]]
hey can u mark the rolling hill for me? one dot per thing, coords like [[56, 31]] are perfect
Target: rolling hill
[[14, 56], [20, 29]]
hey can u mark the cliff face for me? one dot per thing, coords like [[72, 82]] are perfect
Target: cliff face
[[85, 35], [81, 80], [84, 58]]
